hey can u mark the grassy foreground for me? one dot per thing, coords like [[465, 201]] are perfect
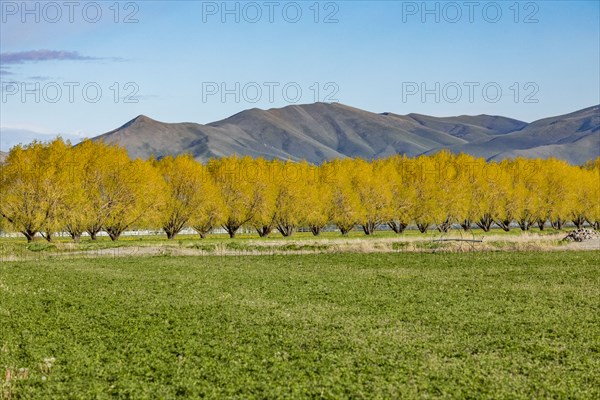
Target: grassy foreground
[[17, 248], [470, 325]]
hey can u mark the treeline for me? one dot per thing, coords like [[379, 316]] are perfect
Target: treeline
[[92, 187]]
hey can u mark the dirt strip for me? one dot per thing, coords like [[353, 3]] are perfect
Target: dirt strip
[[435, 244]]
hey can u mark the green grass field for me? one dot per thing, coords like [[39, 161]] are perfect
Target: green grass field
[[17, 248], [470, 325]]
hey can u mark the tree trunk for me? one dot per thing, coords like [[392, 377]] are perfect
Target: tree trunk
[[286, 230], [203, 230], [171, 230], [369, 228], [345, 230], [264, 230], [315, 229], [114, 233], [174, 226], [466, 225], [47, 236], [504, 224], [397, 227], [422, 227], [170, 234], [75, 233], [541, 223], [29, 234], [557, 223], [231, 228], [231, 231], [93, 231], [444, 226], [578, 221], [485, 222], [524, 224]]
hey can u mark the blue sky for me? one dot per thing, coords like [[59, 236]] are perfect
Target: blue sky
[[172, 60]]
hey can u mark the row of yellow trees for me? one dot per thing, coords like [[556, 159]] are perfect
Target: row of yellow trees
[[54, 187]]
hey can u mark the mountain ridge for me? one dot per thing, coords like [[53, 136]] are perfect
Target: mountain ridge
[[321, 131]]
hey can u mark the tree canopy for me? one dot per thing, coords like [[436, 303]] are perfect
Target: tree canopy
[[53, 187]]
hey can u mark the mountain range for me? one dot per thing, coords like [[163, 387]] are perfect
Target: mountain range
[[323, 131]]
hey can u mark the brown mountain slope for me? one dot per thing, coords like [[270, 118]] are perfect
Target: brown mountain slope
[[471, 128], [314, 132], [574, 137], [320, 131]]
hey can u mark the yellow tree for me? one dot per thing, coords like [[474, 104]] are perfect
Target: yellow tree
[[129, 191], [263, 175], [593, 164], [183, 192], [593, 173], [290, 203], [500, 203], [397, 171], [21, 192], [211, 211], [345, 202], [553, 195], [460, 174], [577, 197], [32, 187], [474, 189], [584, 196], [58, 166], [525, 176], [374, 194], [537, 186], [423, 174], [94, 162], [237, 179], [74, 210], [318, 196], [449, 180]]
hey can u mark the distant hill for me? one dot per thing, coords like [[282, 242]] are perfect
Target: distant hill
[[3, 156], [322, 131], [574, 137]]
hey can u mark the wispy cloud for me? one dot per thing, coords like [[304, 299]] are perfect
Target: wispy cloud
[[21, 57], [40, 78], [10, 59]]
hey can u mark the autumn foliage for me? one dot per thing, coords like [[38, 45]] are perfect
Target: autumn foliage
[[54, 187]]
